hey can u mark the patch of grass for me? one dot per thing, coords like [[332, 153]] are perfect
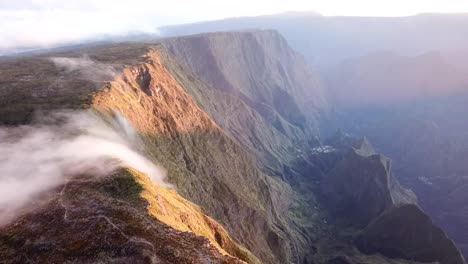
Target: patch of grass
[[124, 186]]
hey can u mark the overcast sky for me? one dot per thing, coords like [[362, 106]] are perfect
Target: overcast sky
[[49, 22]]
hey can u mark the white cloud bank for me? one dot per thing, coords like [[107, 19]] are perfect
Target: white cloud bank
[[47, 23], [39, 157]]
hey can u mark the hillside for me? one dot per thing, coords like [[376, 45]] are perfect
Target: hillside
[[233, 118]]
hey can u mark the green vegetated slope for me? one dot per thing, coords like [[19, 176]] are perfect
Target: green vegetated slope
[[109, 221], [233, 119]]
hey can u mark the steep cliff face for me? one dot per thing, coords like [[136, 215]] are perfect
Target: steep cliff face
[[259, 64], [256, 88]]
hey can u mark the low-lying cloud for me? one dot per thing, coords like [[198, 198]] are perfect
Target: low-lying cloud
[[37, 158], [87, 68]]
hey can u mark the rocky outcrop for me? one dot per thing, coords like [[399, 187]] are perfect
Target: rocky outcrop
[[363, 194], [343, 142], [405, 231], [361, 187], [426, 142]]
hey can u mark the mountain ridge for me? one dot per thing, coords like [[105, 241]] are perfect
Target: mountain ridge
[[270, 210]]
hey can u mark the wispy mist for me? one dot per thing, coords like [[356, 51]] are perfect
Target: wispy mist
[[86, 67], [36, 158]]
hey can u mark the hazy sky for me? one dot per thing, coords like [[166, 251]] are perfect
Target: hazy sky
[[46, 22]]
